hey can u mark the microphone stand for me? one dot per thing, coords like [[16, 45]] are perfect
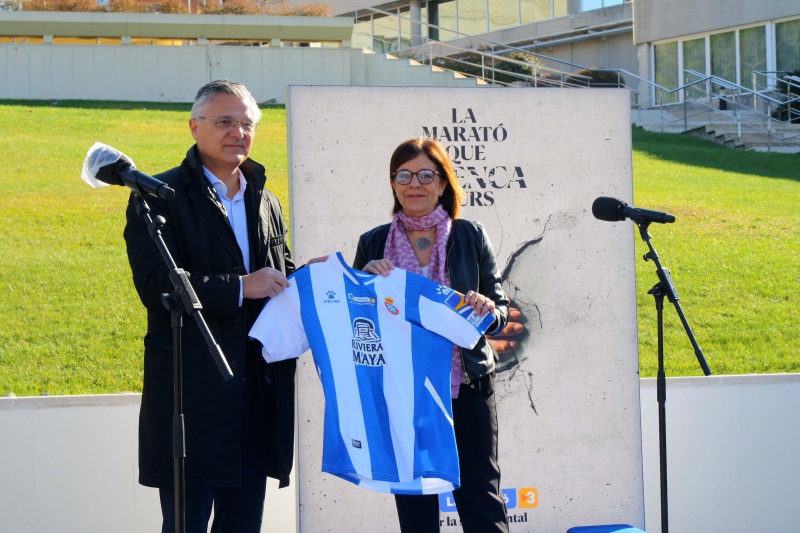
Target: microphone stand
[[181, 299], [665, 287]]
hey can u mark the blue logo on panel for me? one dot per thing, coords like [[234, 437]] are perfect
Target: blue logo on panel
[[510, 496], [446, 503]]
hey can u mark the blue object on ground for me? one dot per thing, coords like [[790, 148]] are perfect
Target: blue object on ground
[[614, 528]]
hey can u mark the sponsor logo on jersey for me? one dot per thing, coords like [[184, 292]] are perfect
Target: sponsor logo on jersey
[[475, 319], [367, 346], [360, 300], [456, 301]]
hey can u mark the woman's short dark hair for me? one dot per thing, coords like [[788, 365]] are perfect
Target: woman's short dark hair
[[453, 193]]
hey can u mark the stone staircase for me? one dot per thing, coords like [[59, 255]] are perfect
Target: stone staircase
[[382, 69], [750, 134], [783, 138]]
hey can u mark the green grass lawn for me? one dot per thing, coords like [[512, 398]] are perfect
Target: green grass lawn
[[71, 323], [733, 254]]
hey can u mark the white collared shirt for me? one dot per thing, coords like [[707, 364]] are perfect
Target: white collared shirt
[[237, 216]]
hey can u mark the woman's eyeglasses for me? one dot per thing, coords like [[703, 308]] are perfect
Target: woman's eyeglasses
[[424, 176]]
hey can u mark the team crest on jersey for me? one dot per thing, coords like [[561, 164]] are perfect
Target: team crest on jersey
[[367, 346], [389, 303]]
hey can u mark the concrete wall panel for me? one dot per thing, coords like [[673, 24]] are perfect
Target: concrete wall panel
[[667, 19], [567, 399], [733, 463], [173, 74], [19, 464], [18, 81]]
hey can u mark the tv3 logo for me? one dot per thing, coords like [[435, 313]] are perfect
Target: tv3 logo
[[524, 498]]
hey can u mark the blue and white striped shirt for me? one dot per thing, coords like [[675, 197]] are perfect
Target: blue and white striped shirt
[[382, 348]]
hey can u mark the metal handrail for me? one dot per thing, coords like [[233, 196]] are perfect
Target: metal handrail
[[495, 47], [502, 49], [738, 97], [776, 79], [770, 75], [534, 79], [722, 82], [646, 96]]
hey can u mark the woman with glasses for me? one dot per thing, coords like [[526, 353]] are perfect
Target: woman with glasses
[[427, 237]]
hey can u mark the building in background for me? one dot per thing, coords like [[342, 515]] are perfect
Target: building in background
[[657, 45], [658, 40], [738, 40], [596, 33]]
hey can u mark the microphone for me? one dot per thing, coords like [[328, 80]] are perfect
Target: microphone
[[613, 210], [105, 165]]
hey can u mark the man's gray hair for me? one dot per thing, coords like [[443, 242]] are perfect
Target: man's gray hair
[[209, 90]]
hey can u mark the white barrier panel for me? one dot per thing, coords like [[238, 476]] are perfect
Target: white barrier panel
[[69, 464], [732, 454], [532, 162]]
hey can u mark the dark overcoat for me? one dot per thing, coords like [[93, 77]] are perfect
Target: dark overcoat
[[234, 429]]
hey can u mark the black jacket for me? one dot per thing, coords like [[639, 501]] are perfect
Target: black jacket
[[202, 242], [471, 265]]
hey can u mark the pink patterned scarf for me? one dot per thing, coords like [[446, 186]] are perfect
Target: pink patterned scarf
[[398, 247], [398, 250]]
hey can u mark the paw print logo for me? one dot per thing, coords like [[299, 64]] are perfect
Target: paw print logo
[[331, 295], [441, 289]]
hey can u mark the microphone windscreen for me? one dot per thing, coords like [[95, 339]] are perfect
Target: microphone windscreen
[[608, 209], [99, 167]]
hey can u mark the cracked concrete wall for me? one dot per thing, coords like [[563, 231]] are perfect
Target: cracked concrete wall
[[532, 161]]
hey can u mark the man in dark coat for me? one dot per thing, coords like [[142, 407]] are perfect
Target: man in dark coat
[[227, 230]]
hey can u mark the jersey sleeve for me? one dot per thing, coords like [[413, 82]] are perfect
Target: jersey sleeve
[[444, 311], [279, 327]]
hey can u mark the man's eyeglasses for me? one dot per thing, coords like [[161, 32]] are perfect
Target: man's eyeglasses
[[424, 176], [225, 123]]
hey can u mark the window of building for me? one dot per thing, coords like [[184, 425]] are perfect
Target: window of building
[[732, 55], [752, 53], [456, 18], [787, 45], [666, 69], [22, 40], [535, 10], [447, 19], [723, 55], [405, 27], [362, 34], [589, 5], [385, 31], [472, 16], [503, 14], [694, 59]]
